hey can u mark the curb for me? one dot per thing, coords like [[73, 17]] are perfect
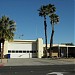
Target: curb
[[1, 65]]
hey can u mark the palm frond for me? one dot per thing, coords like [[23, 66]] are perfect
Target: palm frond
[[54, 19], [7, 28]]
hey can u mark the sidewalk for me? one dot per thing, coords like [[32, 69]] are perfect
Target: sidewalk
[[2, 62], [36, 61], [69, 59]]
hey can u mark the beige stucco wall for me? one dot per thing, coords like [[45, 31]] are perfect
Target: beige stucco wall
[[40, 47], [5, 48]]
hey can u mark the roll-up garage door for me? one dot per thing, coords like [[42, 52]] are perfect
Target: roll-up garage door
[[20, 50]]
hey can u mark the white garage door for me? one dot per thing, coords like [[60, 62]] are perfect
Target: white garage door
[[20, 50]]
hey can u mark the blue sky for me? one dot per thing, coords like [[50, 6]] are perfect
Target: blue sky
[[30, 24]]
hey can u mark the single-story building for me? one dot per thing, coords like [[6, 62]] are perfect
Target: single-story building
[[35, 49], [23, 48], [60, 50]]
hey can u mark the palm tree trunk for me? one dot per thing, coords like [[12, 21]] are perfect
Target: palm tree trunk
[[0, 49], [45, 27], [51, 40]]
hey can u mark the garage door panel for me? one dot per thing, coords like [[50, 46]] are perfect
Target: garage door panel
[[19, 55], [20, 46]]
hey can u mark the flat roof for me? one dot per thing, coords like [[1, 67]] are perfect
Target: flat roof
[[16, 40], [55, 45]]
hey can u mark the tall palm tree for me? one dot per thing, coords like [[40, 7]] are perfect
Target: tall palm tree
[[42, 13], [51, 9], [54, 19], [46, 11], [7, 28]]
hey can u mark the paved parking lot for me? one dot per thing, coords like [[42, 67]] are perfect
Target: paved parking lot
[[35, 66], [36, 61]]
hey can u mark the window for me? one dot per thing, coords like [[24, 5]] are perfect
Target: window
[[20, 51], [30, 51], [9, 51], [24, 51], [13, 51], [16, 51], [27, 51]]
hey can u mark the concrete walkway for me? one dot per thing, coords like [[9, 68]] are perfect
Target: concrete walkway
[[35, 61]]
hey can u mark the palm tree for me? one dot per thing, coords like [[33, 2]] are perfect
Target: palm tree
[[42, 13], [51, 9], [54, 19], [46, 11], [7, 28]]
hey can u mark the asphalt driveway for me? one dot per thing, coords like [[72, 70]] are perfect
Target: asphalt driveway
[[36, 61]]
